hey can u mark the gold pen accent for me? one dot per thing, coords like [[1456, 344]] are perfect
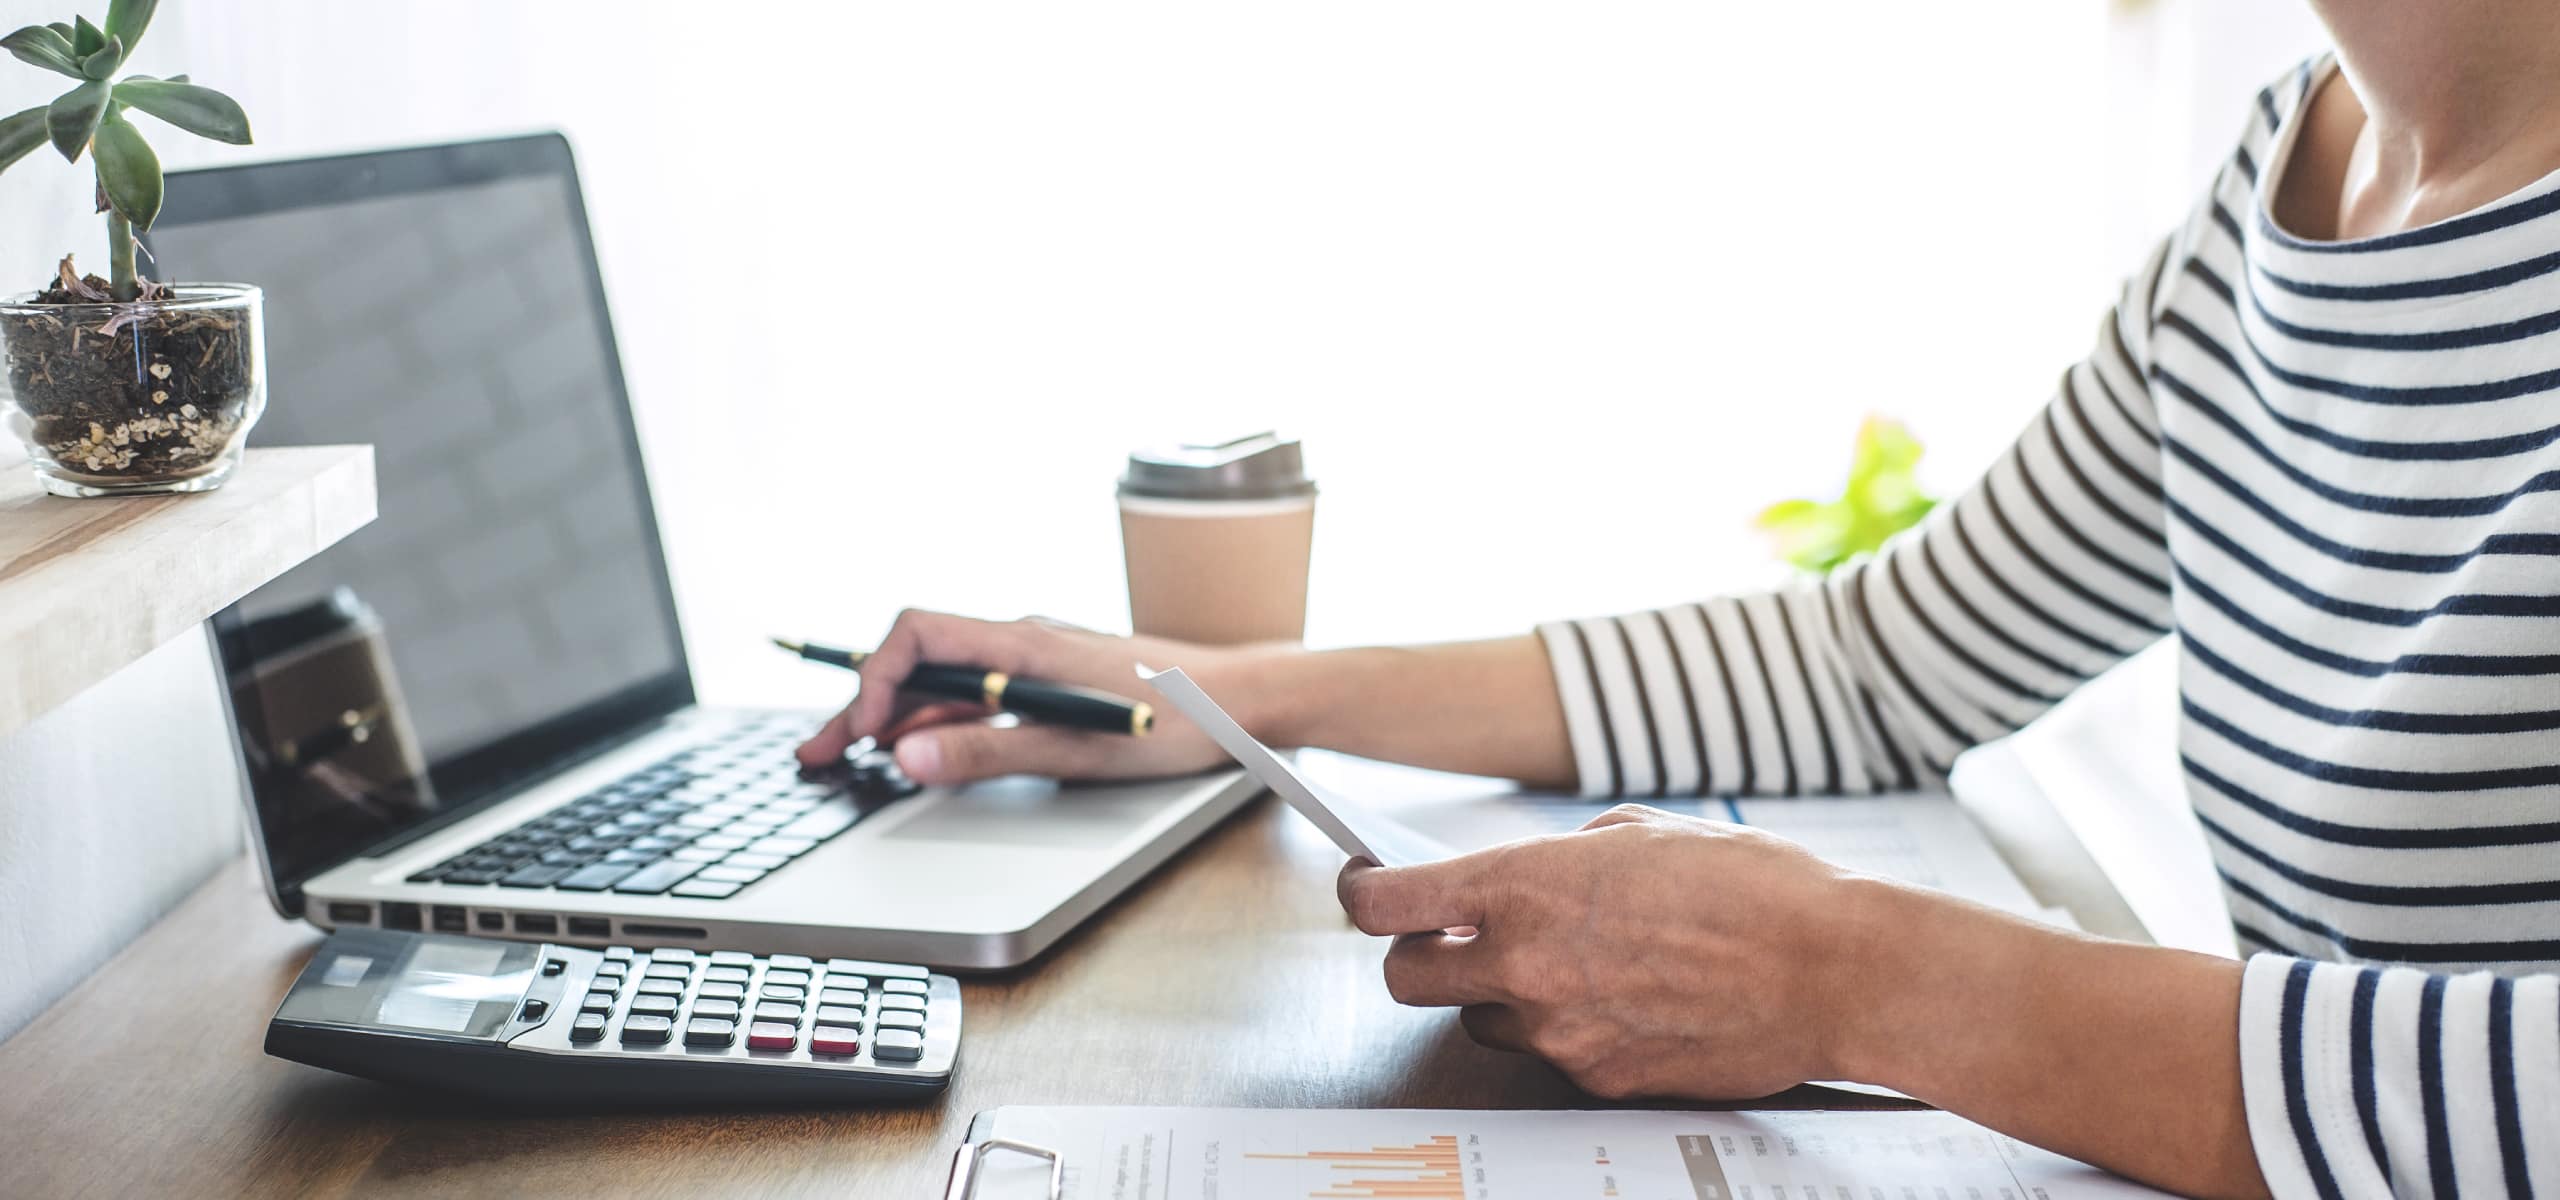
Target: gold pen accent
[[994, 688], [1142, 718]]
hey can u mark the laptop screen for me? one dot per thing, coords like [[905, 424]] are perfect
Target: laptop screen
[[509, 607]]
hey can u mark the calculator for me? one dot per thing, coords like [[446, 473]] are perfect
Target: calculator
[[619, 1026]]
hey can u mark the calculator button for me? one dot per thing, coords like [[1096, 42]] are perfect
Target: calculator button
[[707, 889], [589, 1027], [786, 976], [723, 991], [647, 1030], [902, 1045], [896, 1018], [597, 1002], [789, 962], [783, 991], [908, 987], [716, 1008], [671, 954], [554, 966], [777, 1010], [850, 983], [896, 1001], [732, 958], [669, 970], [772, 1035], [841, 996], [611, 970], [655, 1006], [725, 974], [661, 987], [709, 1031], [535, 1010], [835, 1039], [830, 1014]]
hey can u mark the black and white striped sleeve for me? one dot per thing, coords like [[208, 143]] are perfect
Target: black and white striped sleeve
[[2044, 573], [2391, 1081]]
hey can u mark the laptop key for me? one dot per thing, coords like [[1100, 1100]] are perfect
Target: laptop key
[[729, 874], [751, 859], [707, 889], [721, 841], [788, 847], [470, 875], [596, 878], [657, 878], [821, 823], [700, 854], [535, 876]]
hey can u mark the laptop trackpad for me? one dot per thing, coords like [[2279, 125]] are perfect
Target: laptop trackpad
[[1027, 811]]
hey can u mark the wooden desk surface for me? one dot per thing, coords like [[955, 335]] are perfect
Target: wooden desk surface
[[1229, 978]]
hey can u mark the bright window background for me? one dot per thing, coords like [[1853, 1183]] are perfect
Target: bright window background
[[1556, 295]]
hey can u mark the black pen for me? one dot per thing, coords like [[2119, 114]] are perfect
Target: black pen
[[1048, 703]]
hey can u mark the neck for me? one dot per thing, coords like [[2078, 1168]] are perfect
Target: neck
[[2449, 90]]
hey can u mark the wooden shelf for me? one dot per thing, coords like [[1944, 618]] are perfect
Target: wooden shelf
[[87, 586]]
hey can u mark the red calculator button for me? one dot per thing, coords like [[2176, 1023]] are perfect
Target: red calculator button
[[835, 1039], [772, 1035]]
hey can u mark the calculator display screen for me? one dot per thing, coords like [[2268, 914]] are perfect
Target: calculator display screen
[[368, 979], [445, 984]]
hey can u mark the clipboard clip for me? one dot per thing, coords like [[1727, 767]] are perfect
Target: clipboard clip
[[966, 1163]]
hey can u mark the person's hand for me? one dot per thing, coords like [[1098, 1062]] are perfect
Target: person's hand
[[947, 742], [1646, 955]]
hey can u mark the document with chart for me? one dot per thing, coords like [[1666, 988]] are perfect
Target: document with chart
[[1426, 1154]]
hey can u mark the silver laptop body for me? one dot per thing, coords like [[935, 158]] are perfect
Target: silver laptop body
[[500, 649]]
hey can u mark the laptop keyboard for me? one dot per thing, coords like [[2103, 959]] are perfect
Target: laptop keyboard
[[705, 823]]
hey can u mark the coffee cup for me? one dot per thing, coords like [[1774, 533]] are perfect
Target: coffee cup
[[1216, 538]]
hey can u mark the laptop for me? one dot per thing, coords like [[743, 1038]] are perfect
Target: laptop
[[474, 715]]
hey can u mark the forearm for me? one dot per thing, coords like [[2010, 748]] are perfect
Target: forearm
[[1482, 708], [2120, 1055]]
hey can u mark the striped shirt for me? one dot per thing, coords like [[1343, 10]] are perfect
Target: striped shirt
[[2329, 469]]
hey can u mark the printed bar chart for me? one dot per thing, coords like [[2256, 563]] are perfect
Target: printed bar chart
[[1426, 1170]]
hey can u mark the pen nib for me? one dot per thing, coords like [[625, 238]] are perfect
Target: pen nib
[[788, 644]]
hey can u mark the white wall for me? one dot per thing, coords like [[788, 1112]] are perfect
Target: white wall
[[1558, 295]]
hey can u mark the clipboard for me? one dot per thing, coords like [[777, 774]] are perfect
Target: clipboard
[[968, 1163]]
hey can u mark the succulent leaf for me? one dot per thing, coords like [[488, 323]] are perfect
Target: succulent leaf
[[128, 170], [39, 45], [20, 133], [128, 18], [198, 110], [103, 64], [86, 39], [73, 117]]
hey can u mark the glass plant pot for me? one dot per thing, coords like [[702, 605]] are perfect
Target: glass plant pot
[[119, 399]]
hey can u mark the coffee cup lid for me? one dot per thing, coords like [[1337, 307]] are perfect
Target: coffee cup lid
[[1264, 466]]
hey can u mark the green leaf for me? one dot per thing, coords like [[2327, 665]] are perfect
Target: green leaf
[[19, 134], [86, 39], [128, 18], [40, 46], [65, 29], [198, 110], [103, 64], [1881, 499], [128, 170], [74, 115]]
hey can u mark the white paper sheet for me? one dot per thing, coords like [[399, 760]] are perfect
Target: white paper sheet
[[1418, 1154], [1359, 832]]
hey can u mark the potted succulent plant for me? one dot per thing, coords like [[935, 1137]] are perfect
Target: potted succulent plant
[[123, 384]]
